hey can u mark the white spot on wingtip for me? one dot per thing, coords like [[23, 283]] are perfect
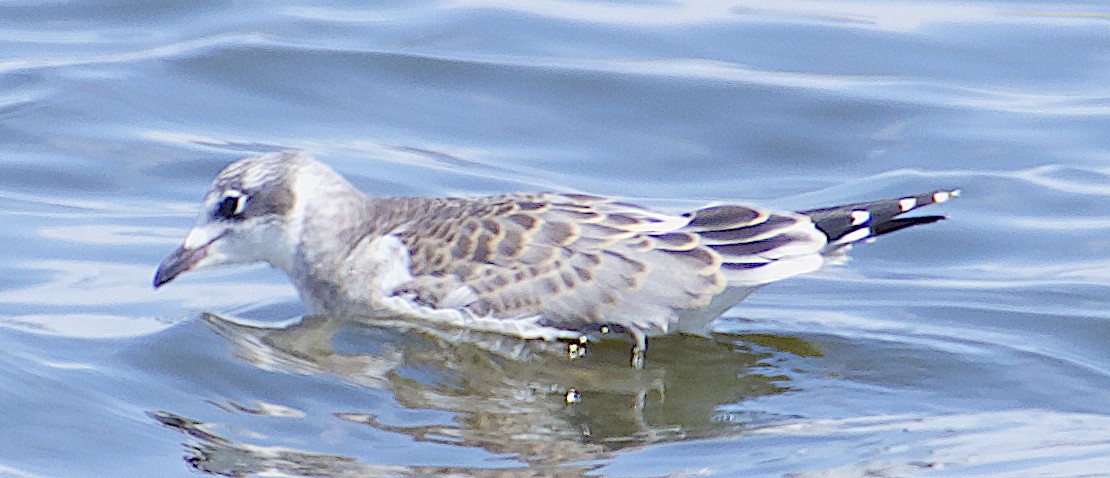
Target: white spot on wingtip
[[941, 196], [854, 236], [954, 193], [907, 203], [860, 217]]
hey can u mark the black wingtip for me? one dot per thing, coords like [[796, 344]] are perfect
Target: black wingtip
[[902, 223], [848, 223]]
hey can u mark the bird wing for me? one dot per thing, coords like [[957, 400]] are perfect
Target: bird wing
[[585, 259]]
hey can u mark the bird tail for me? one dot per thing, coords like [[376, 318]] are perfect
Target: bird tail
[[850, 223]]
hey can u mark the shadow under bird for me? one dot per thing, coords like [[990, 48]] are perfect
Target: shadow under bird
[[538, 266]]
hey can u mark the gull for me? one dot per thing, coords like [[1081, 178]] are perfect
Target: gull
[[534, 265]]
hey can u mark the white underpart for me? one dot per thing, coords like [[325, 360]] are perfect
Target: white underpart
[[459, 297], [907, 203], [523, 327], [699, 321], [860, 217]]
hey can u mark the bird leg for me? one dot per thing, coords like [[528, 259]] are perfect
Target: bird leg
[[639, 349]]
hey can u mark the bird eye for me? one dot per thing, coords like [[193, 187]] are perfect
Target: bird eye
[[231, 206]]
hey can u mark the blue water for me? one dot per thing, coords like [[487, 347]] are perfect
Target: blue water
[[971, 347]]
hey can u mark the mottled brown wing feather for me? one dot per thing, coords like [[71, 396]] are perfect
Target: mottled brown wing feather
[[568, 257]]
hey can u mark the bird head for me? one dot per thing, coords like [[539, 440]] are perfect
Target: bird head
[[244, 218]]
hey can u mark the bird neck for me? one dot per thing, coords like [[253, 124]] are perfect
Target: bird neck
[[329, 215]]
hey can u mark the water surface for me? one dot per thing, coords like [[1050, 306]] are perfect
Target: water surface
[[975, 346]]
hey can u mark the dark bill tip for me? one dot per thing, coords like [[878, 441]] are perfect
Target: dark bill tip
[[177, 263]]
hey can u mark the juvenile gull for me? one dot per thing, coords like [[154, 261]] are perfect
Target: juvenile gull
[[540, 265]]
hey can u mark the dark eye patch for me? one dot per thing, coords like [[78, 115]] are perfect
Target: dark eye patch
[[231, 206]]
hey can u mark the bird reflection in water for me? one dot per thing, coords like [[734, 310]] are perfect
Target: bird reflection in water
[[548, 405]]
